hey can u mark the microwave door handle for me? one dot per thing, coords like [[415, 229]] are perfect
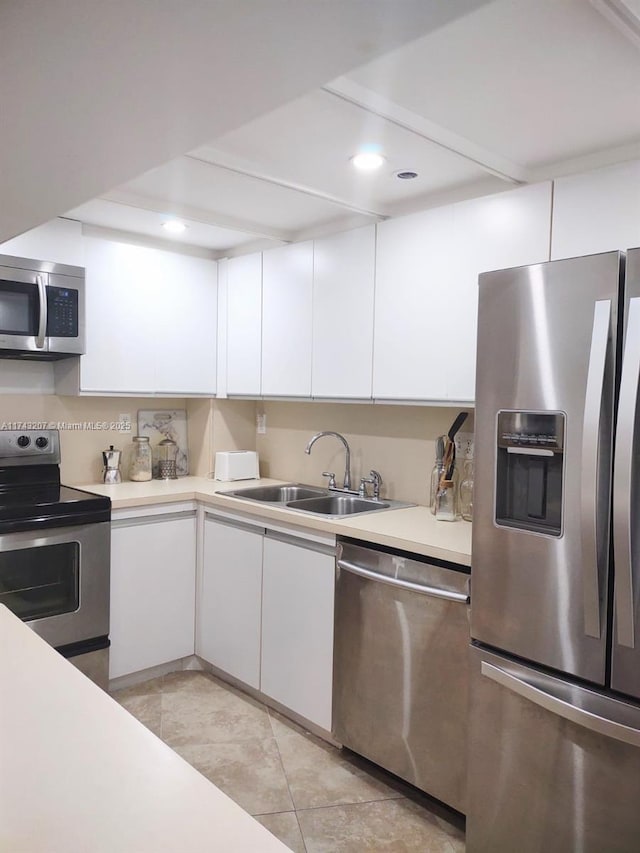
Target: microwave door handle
[[591, 429], [623, 536], [41, 337]]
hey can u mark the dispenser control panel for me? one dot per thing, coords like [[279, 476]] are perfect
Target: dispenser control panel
[[531, 429]]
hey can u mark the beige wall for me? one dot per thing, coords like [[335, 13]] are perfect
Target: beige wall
[[398, 441], [218, 425], [81, 449]]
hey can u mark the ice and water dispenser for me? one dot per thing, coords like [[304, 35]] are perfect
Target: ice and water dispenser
[[529, 476]]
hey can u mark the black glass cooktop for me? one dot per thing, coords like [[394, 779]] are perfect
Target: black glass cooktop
[[25, 507]]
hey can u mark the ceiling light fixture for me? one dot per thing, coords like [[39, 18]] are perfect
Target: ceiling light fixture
[[367, 161], [406, 175], [174, 226]]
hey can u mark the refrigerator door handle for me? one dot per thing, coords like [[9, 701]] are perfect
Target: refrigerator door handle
[[580, 716], [590, 443], [623, 481]]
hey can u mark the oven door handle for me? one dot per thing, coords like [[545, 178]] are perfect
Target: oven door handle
[[41, 337], [433, 591]]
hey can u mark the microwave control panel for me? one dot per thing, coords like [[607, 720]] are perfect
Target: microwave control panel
[[62, 312]]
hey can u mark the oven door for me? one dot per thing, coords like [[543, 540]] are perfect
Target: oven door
[[58, 581], [23, 309]]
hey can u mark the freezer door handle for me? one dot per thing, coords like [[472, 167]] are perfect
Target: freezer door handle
[[591, 547], [433, 591], [623, 482], [561, 708]]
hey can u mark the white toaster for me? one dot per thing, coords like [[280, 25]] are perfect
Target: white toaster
[[236, 465]]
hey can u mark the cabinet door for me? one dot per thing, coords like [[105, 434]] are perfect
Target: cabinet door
[[228, 634], [510, 229], [184, 350], [287, 282], [152, 592], [343, 290], [414, 315], [596, 212], [151, 321], [244, 324], [297, 629], [121, 328]]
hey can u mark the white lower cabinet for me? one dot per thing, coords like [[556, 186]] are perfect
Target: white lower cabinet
[[265, 613], [153, 564], [228, 632], [297, 628]]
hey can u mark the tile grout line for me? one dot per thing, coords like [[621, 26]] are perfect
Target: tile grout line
[[293, 802]]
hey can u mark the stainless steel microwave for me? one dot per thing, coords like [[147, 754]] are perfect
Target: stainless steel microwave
[[41, 309]]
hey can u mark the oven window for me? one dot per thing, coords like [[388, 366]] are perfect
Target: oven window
[[42, 581]]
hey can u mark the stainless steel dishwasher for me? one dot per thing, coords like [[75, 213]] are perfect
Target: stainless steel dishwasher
[[401, 668]]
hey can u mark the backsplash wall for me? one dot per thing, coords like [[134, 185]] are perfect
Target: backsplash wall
[[81, 445], [398, 441]]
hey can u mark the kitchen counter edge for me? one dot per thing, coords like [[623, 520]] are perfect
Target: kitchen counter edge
[[412, 529]]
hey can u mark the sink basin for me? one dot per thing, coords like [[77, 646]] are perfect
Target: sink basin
[[337, 505], [311, 499], [277, 494]]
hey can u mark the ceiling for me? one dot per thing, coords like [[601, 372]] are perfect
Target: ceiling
[[516, 91], [94, 93]]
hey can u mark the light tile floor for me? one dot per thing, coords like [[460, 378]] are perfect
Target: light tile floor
[[315, 798]]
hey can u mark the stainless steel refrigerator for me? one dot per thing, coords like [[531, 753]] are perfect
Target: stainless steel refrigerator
[[554, 762]]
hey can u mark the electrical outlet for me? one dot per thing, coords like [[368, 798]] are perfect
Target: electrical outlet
[[125, 421], [464, 445], [261, 423]]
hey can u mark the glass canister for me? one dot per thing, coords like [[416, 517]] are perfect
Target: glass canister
[[141, 464], [446, 500], [466, 491], [167, 455]]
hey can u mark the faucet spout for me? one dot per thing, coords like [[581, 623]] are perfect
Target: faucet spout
[[347, 469]]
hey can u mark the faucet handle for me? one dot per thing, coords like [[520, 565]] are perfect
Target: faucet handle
[[377, 480], [332, 479]]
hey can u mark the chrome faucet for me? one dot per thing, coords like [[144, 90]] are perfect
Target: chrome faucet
[[346, 486], [374, 480]]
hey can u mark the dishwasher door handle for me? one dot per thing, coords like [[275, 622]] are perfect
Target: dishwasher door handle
[[433, 591]]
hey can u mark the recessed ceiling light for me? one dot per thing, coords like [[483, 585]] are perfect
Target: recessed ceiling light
[[406, 175], [367, 161], [174, 226]]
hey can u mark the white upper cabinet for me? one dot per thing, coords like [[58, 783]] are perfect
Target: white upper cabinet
[[343, 295], [596, 212], [427, 268], [244, 324], [185, 290], [414, 318], [510, 229], [287, 287], [150, 323], [121, 330], [58, 241]]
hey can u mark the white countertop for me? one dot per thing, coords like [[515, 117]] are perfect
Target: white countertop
[[79, 773], [412, 529]]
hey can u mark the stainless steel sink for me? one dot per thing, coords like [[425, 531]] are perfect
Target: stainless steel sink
[[276, 494], [313, 500], [338, 505]]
